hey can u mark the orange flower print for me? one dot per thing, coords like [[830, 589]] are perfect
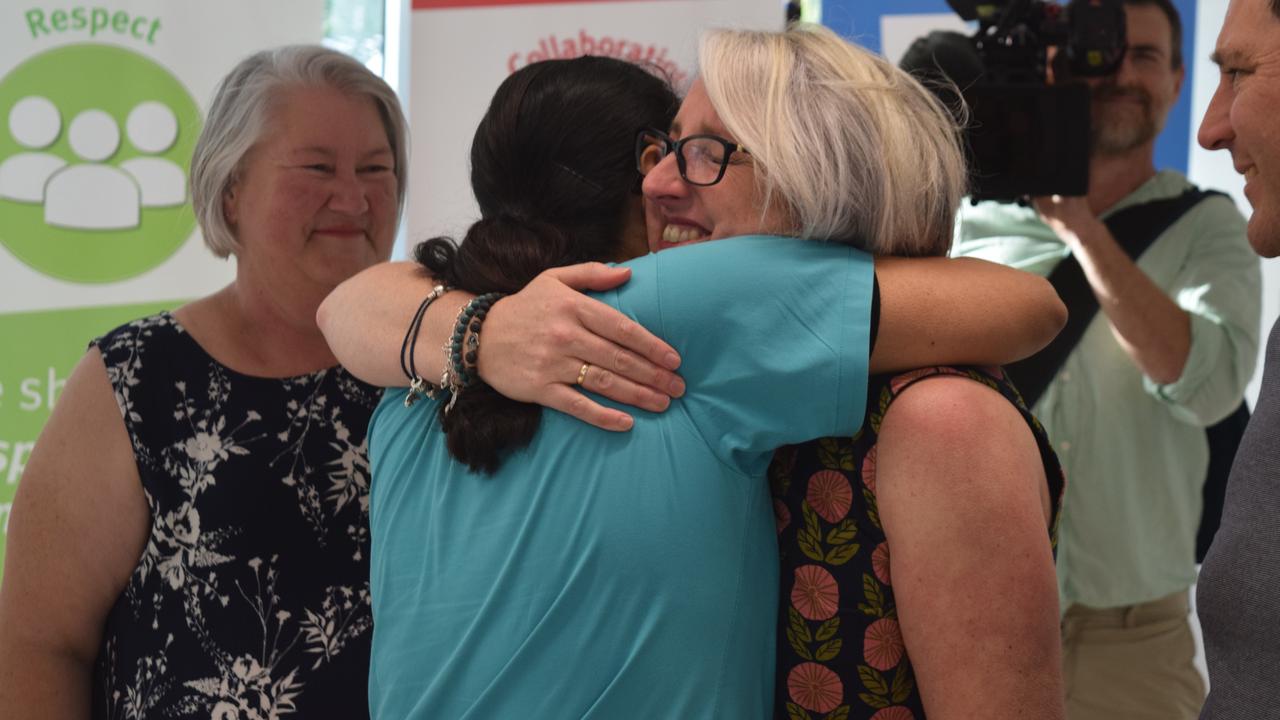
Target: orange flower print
[[882, 644], [869, 469], [880, 562], [894, 713], [815, 687], [781, 515], [815, 593], [830, 495]]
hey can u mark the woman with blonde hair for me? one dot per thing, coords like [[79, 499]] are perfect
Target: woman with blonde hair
[[917, 568]]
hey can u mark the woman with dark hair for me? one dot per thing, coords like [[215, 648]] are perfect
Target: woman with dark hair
[[578, 573], [540, 211]]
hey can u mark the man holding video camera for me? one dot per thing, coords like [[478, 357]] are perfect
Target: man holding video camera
[[1168, 351]]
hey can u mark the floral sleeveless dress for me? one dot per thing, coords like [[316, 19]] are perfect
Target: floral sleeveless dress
[[840, 650], [251, 598]]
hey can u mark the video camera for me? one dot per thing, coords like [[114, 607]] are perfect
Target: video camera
[[1025, 136]]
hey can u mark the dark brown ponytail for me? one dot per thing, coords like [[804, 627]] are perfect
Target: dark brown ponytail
[[552, 167]]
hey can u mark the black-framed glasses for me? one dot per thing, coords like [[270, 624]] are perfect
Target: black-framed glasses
[[702, 159]]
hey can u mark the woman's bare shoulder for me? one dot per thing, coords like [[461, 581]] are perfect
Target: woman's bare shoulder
[[951, 408]]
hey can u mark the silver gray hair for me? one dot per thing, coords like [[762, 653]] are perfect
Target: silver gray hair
[[240, 111], [857, 150]]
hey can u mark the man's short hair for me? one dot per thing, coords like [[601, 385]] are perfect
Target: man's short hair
[[1175, 25], [1275, 8]]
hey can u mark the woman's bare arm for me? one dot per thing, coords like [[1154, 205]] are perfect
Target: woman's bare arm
[[949, 311], [964, 503], [78, 526], [533, 345], [933, 311]]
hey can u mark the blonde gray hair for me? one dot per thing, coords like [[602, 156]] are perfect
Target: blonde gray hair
[[240, 111], [857, 150]]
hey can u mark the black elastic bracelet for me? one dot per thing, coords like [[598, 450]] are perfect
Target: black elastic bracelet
[[417, 386]]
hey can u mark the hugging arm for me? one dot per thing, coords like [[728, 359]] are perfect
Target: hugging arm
[[534, 342], [933, 311], [971, 562], [961, 311]]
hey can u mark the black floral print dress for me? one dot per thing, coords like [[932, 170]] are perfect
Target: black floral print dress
[[840, 649], [251, 598]]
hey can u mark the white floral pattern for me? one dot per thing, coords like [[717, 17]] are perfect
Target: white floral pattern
[[251, 598]]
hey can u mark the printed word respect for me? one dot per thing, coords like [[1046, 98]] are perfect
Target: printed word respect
[[552, 48], [92, 21]]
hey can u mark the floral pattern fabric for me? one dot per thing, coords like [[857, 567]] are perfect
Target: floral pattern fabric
[[840, 650], [251, 598]]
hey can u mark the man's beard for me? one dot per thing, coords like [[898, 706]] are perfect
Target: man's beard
[[1119, 124]]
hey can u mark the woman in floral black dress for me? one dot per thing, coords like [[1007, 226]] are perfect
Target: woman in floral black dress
[[847, 647], [208, 556], [916, 558]]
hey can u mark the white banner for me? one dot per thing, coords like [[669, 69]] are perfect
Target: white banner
[[79, 87], [463, 49]]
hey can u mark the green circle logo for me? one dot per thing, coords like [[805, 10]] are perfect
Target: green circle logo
[[95, 148]]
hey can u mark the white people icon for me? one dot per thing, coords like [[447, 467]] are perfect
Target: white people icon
[[153, 128], [90, 194], [35, 123]]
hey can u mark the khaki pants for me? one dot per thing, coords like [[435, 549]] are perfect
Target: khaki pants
[[1131, 663]]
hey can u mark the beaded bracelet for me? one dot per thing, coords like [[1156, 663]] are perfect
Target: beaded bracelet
[[418, 387], [460, 365]]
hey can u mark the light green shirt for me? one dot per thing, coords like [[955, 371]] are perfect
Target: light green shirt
[[1134, 450]]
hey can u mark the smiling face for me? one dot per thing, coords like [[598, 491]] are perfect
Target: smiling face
[[1130, 106], [315, 199], [679, 213], [1241, 116]]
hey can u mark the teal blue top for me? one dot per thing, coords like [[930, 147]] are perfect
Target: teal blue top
[[620, 575]]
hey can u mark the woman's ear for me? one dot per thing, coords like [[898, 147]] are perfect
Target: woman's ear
[[634, 241], [230, 206]]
